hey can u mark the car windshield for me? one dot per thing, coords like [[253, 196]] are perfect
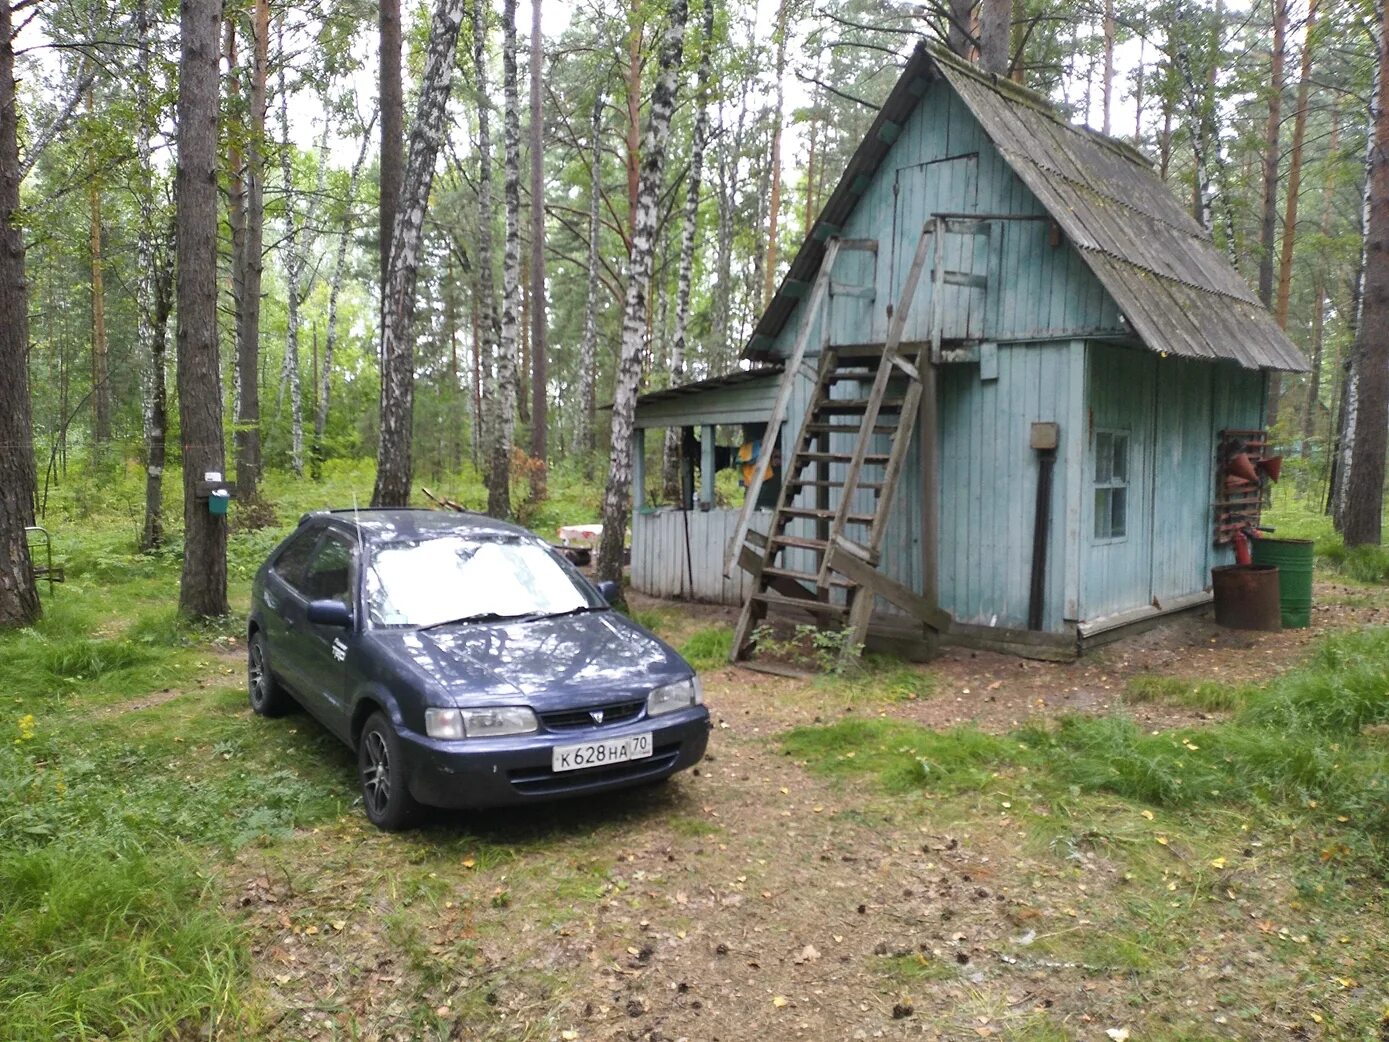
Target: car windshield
[[457, 579]]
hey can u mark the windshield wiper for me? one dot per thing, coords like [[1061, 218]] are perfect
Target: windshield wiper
[[580, 610], [482, 616]]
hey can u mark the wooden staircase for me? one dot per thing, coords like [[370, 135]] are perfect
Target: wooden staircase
[[853, 488]]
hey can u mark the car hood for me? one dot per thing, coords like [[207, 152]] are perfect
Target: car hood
[[555, 663]]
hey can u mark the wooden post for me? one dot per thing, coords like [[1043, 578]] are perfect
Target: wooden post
[[706, 466], [638, 469]]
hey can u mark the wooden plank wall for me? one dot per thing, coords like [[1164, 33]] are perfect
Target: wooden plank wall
[[943, 162], [658, 555]]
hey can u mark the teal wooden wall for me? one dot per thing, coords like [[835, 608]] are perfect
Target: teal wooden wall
[[988, 481], [1172, 409], [943, 163]]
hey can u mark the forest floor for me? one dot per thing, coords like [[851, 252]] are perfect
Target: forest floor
[[1181, 836]]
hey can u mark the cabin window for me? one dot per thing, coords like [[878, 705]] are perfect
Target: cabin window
[[1111, 484]]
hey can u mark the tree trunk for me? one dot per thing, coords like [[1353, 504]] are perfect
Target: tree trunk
[[1309, 409], [539, 401], [774, 197], [1268, 227], [633, 85], [995, 35], [618, 491], [489, 417], [959, 39], [294, 266], [247, 427], [101, 369], [1107, 88], [588, 351], [19, 600], [392, 103], [203, 585], [499, 488], [325, 385], [1285, 260], [153, 303], [670, 467], [407, 238], [1364, 502]]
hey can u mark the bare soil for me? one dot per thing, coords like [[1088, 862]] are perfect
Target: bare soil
[[754, 898]]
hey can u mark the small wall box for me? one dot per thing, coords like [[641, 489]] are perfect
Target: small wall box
[[218, 495]]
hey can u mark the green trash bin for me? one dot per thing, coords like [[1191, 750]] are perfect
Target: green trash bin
[[1293, 559]]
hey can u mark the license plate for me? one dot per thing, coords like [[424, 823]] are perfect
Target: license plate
[[600, 754]]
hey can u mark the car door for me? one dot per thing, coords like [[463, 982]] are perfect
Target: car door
[[331, 575], [282, 607]]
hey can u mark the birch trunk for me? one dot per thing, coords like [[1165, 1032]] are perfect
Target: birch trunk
[[1107, 88], [19, 600], [488, 333], [774, 198], [995, 35], [149, 326], [294, 266], [320, 421], [1309, 409], [1268, 227], [101, 375], [407, 236], [499, 485], [539, 399], [1363, 507], [203, 584], [588, 351], [670, 468], [392, 103], [618, 491]]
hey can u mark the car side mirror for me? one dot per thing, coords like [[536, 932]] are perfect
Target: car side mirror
[[330, 613], [611, 592]]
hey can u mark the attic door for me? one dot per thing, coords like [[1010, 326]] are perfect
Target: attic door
[[949, 185]]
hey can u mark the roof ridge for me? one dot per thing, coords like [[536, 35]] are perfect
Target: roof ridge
[[1033, 99]]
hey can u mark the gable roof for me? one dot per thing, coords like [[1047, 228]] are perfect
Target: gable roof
[[1177, 292]]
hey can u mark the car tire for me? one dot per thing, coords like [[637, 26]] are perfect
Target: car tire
[[267, 695], [381, 767]]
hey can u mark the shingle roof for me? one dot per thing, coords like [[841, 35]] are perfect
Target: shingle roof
[[1170, 282]]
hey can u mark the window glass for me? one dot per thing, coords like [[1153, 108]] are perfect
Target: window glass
[[329, 575], [456, 578], [1111, 484], [289, 563]]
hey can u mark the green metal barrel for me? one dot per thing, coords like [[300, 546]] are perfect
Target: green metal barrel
[[1293, 559]]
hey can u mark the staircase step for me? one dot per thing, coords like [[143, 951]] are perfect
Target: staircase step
[[798, 542], [846, 428], [857, 373], [870, 352], [855, 406], [805, 577], [871, 459], [853, 519], [819, 607], [871, 486]]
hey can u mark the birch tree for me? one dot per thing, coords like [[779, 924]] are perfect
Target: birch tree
[[539, 369], [294, 266], [685, 275], [489, 417], [19, 600], [407, 235], [203, 584], [618, 490], [499, 482]]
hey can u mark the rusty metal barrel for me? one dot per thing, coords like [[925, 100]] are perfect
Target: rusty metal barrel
[[1246, 597]]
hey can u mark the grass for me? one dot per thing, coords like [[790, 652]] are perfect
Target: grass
[[708, 648], [1297, 742], [1206, 695]]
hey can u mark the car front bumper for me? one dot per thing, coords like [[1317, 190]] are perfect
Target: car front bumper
[[495, 772]]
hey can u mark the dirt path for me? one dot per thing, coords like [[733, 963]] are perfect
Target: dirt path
[[753, 899]]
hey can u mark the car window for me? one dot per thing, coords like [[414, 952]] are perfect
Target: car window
[[290, 561], [329, 574], [455, 577]]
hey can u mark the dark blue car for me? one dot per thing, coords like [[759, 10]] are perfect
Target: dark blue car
[[466, 662]]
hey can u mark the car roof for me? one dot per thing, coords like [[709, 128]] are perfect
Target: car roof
[[386, 525]]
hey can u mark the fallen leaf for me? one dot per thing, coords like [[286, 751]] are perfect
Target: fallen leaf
[[779, 1000], [807, 954], [1218, 862], [1148, 814], [469, 862], [1118, 1034], [1162, 840]]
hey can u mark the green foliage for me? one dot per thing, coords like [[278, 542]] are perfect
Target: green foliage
[[1180, 691], [826, 650]]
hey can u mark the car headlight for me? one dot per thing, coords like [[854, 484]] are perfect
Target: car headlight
[[492, 722], [680, 695]]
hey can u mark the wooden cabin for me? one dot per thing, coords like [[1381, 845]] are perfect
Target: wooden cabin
[[996, 378]]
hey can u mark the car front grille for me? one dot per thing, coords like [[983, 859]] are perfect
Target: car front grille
[[582, 719], [541, 781]]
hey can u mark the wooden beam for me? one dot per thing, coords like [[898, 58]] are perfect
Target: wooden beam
[[871, 581]]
